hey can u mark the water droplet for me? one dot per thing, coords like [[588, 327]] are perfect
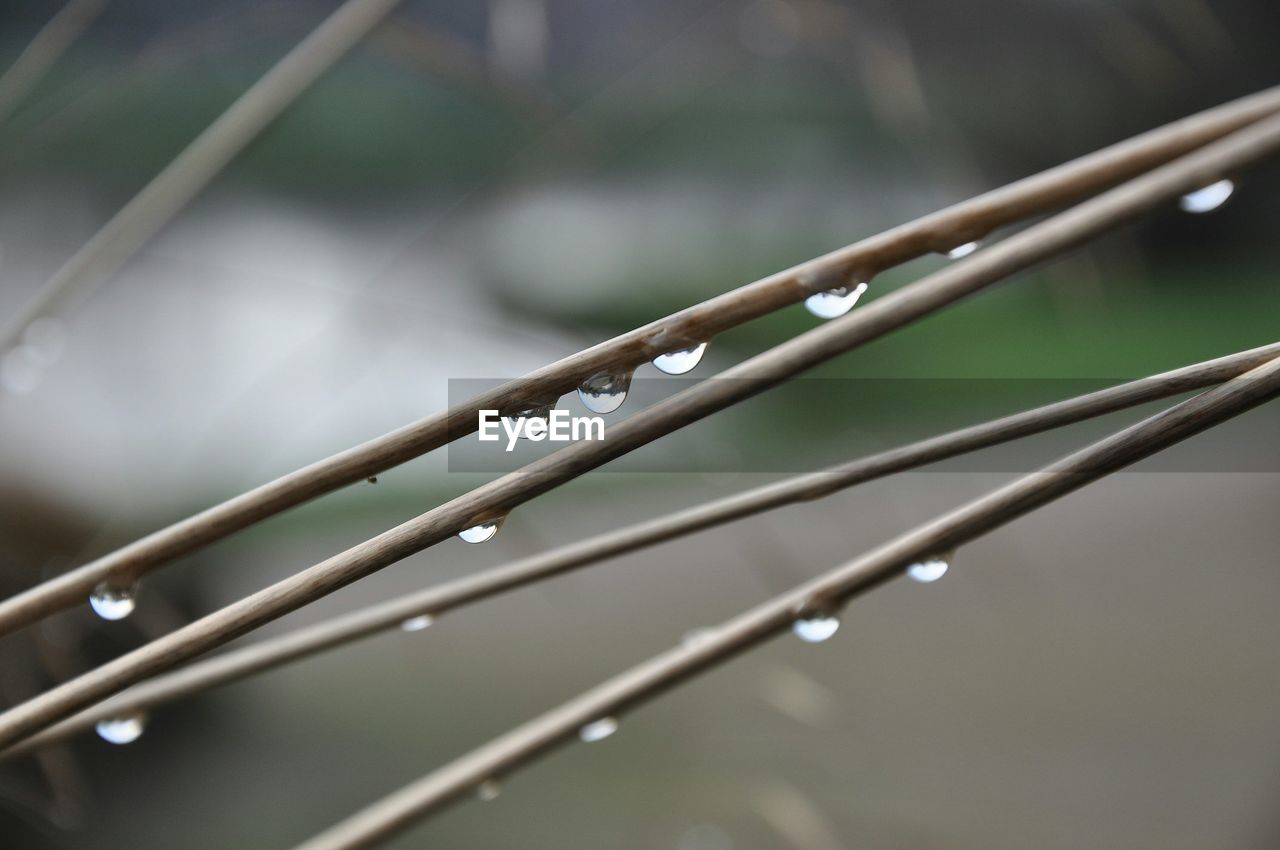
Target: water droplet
[[122, 730], [963, 250], [418, 623], [481, 532], [598, 730], [930, 569], [679, 362], [815, 628], [1207, 198], [604, 393], [834, 302], [542, 412], [488, 790], [113, 601], [372, 479]]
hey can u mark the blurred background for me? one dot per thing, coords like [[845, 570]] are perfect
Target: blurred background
[[481, 188]]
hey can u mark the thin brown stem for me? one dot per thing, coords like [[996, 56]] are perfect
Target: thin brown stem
[[44, 51], [434, 601], [937, 232], [825, 594], [740, 382], [174, 187]]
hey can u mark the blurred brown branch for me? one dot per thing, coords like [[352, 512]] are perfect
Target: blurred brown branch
[[769, 369], [939, 231], [435, 601], [44, 50], [823, 596]]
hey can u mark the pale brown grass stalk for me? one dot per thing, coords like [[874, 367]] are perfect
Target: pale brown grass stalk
[[824, 594], [937, 232], [184, 178], [748, 378], [434, 601], [44, 51]]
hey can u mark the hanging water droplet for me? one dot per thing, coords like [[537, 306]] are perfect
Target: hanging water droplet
[[372, 479], [679, 362], [488, 790], [113, 601], [834, 302], [1207, 198], [418, 623], [815, 628], [542, 412], [122, 730], [481, 532], [930, 569], [604, 393], [963, 250], [598, 730]]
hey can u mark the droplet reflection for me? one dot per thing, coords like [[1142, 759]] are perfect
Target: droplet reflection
[[598, 730], [1208, 198], [113, 601], [418, 623], [834, 302], [480, 533], [816, 628], [929, 570], [963, 250], [682, 361], [121, 730], [604, 393]]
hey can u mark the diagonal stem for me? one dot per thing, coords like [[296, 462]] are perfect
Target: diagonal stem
[[939, 231], [45, 49], [644, 682], [752, 376], [434, 601], [184, 178]]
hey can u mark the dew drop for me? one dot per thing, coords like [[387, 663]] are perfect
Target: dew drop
[[930, 569], [488, 790], [816, 628], [1207, 198], [372, 479], [598, 730], [113, 601], [122, 730], [834, 302], [418, 623], [963, 250], [481, 532], [682, 361], [604, 393], [542, 412]]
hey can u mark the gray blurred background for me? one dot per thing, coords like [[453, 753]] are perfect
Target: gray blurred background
[[484, 187]]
